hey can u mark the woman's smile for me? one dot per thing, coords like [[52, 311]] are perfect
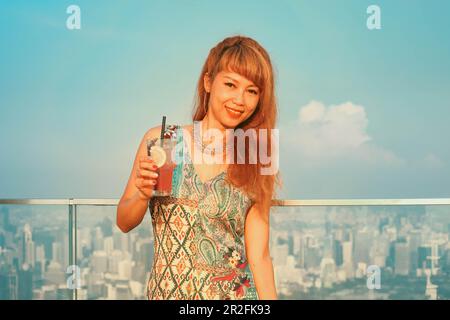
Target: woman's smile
[[234, 113]]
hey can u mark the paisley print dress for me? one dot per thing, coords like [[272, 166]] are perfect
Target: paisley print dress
[[199, 250]]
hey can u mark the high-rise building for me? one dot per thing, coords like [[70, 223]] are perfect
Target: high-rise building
[[402, 258], [297, 243], [424, 252], [290, 243], [2, 239], [113, 261], [144, 252], [446, 260], [55, 274], [328, 246], [63, 249], [108, 245], [97, 239], [280, 254], [25, 282], [338, 252], [121, 241], [107, 227], [57, 253], [363, 241], [380, 250], [26, 253], [312, 256], [327, 272], [384, 221], [123, 292], [414, 240], [347, 258], [99, 261], [302, 250], [8, 283], [125, 268], [40, 261], [5, 221]]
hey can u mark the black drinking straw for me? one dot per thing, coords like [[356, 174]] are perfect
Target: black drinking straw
[[149, 146], [163, 128]]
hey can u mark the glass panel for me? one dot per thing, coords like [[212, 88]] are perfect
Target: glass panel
[[34, 252], [342, 252], [361, 252], [113, 264]]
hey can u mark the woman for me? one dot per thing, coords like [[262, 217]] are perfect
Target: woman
[[199, 250]]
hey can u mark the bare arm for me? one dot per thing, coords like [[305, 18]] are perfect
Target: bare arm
[[134, 202], [258, 255]]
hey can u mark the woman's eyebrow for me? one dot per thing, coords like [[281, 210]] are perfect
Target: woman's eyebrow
[[251, 85], [231, 78]]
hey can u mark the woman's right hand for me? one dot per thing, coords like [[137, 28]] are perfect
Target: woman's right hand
[[146, 178]]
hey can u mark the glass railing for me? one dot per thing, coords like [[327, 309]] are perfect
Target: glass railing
[[321, 249], [34, 250]]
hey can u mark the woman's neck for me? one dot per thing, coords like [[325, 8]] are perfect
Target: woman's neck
[[211, 123], [211, 140]]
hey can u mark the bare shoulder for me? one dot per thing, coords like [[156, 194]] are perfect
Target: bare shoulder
[[153, 133], [187, 127], [254, 214]]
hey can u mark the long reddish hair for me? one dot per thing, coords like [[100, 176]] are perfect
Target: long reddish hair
[[248, 58]]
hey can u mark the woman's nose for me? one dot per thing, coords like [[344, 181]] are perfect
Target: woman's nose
[[239, 98]]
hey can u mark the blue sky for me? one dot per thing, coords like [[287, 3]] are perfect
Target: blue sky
[[369, 110]]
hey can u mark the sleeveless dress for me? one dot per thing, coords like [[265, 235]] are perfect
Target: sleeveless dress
[[199, 250]]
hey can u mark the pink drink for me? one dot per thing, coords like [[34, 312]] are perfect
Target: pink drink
[[163, 185]]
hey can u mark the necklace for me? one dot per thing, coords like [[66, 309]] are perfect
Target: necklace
[[206, 148]]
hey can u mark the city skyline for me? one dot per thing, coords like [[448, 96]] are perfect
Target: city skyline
[[318, 253]]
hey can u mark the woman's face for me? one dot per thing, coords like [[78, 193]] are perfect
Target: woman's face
[[233, 98]]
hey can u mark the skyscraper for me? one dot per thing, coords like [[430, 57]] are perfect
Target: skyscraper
[[338, 252], [415, 240], [363, 240], [8, 283], [424, 252], [25, 282], [280, 254], [312, 255], [297, 242], [402, 258], [26, 252]]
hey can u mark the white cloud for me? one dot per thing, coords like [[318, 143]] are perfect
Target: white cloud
[[337, 132], [312, 112]]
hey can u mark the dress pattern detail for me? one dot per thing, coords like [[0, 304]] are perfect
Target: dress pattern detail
[[199, 250]]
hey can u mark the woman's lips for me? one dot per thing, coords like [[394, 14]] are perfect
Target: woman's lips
[[234, 113]]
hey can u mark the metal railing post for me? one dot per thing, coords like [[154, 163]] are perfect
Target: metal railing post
[[73, 243], [75, 249]]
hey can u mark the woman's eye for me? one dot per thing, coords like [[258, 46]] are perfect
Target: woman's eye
[[229, 84], [253, 92]]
